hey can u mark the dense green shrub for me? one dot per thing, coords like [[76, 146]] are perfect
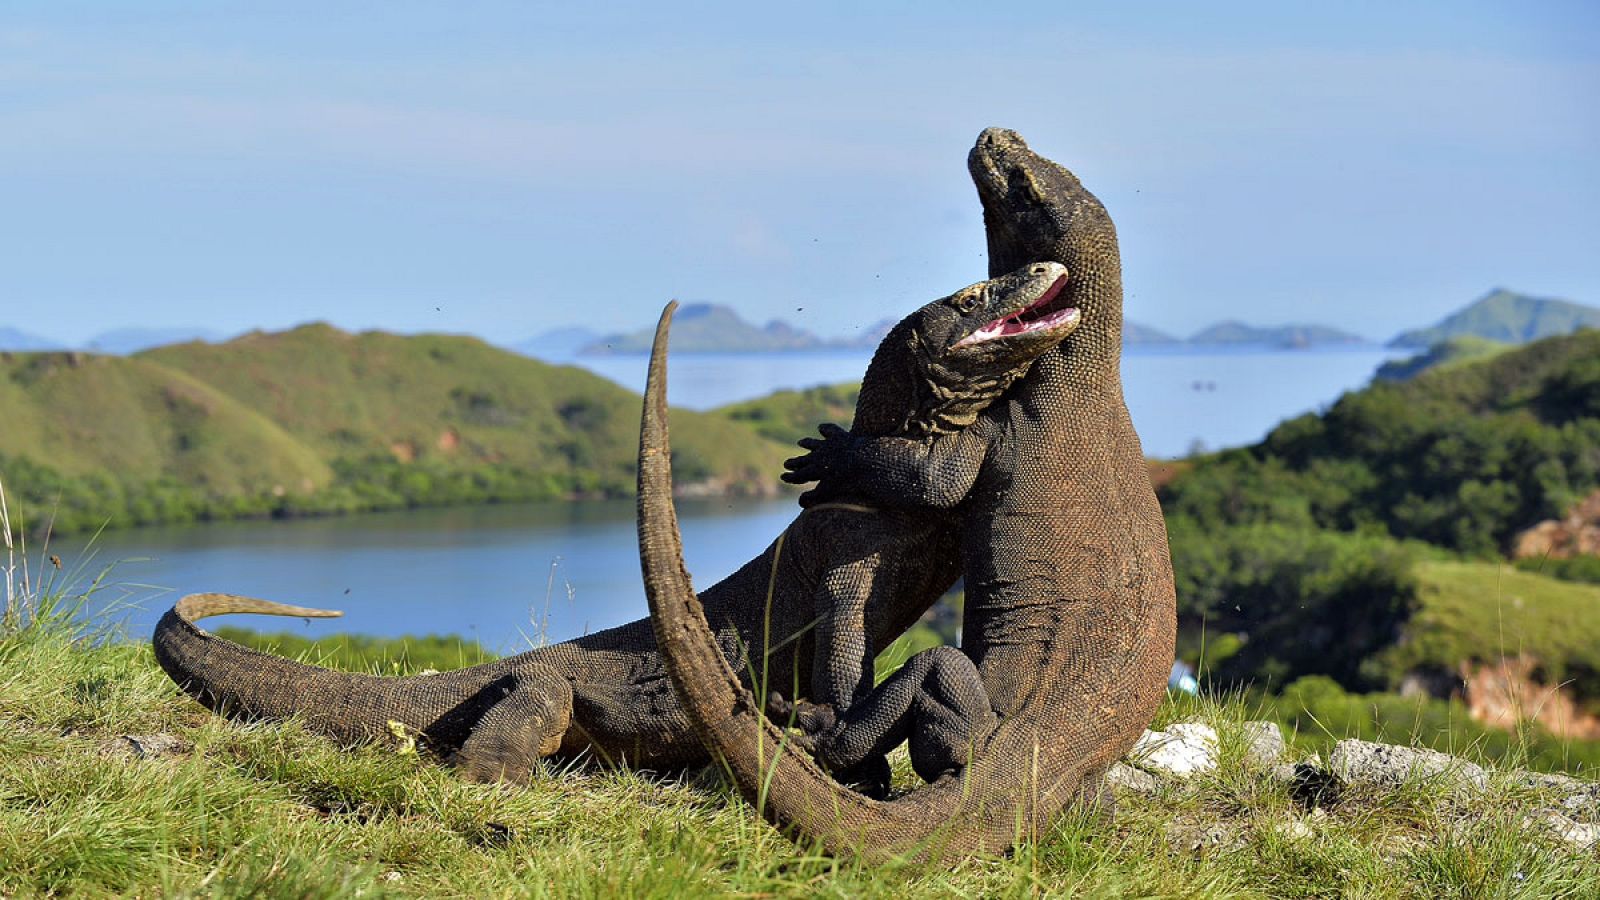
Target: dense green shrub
[[1463, 458], [1296, 600]]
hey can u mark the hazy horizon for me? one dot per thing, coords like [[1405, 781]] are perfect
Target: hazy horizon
[[510, 169]]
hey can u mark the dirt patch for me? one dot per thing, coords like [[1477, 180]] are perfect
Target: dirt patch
[[1577, 534], [1504, 693]]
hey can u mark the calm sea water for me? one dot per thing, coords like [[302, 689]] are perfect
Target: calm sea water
[[508, 575], [518, 574]]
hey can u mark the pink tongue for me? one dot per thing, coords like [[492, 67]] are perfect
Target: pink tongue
[[1010, 326], [1014, 326]]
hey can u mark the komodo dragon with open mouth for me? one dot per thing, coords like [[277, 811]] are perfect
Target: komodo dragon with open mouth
[[1070, 613], [826, 597]]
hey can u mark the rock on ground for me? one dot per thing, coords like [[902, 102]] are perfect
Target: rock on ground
[[1386, 765]]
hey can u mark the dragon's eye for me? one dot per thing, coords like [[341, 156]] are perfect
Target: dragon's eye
[[967, 302]]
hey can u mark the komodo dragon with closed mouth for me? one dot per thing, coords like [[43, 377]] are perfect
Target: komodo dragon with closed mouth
[[1070, 613], [827, 596]]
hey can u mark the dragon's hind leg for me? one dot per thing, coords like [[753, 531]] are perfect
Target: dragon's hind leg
[[524, 723], [936, 702]]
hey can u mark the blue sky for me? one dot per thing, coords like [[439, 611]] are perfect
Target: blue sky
[[507, 168]]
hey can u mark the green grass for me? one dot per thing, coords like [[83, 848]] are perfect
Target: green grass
[[361, 653], [1483, 611], [1319, 712], [270, 810], [1577, 568]]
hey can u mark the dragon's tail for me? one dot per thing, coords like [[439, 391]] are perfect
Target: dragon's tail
[[242, 683], [195, 607], [351, 708], [1019, 779]]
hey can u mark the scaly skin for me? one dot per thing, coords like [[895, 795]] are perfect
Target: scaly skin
[[827, 596], [1070, 612]]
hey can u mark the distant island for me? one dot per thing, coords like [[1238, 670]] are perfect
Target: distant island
[[1501, 316], [1139, 334], [1293, 336], [18, 341], [124, 341], [1490, 325], [117, 342], [1507, 317], [715, 328]]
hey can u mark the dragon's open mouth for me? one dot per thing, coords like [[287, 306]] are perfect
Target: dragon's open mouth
[[1038, 316]]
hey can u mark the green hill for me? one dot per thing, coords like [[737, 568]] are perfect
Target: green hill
[[315, 420], [86, 414], [454, 401], [1317, 550], [787, 416], [1482, 612], [1508, 317]]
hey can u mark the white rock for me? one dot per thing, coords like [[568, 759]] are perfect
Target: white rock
[[1577, 834], [1200, 838], [144, 746], [1295, 829], [1386, 765], [1128, 778], [1264, 744], [1579, 799], [1182, 750]]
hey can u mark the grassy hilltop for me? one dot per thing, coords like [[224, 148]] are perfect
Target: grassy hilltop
[[317, 420]]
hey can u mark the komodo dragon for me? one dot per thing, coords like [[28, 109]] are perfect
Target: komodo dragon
[[857, 578], [1069, 615]]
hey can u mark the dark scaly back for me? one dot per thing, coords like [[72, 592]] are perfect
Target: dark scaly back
[[1074, 612]]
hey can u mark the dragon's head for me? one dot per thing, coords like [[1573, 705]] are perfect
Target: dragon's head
[[1034, 209], [945, 363]]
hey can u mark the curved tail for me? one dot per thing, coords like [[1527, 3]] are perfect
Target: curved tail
[[242, 683], [351, 708], [1021, 776], [194, 607]]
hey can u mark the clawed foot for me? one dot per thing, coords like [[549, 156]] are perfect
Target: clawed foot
[[871, 777], [827, 461], [810, 719], [818, 725]]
